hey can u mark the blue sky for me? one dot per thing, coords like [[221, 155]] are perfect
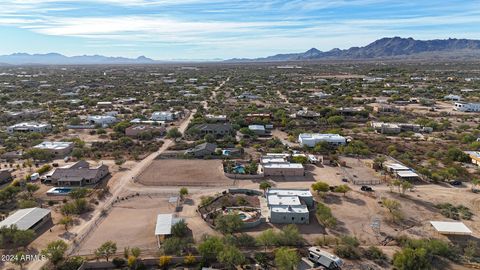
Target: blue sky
[[200, 29]]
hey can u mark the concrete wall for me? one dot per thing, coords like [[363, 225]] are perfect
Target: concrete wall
[[283, 171], [276, 217]]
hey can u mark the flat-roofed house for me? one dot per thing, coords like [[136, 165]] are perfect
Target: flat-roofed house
[[59, 149], [102, 120], [311, 139], [283, 169], [135, 130], [289, 206], [29, 127], [78, 174], [27, 219]]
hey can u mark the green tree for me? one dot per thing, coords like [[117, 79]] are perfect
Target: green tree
[[106, 250], [412, 259], [290, 236], [228, 223], [335, 120], [324, 216], [180, 229], [39, 154], [55, 252], [300, 159], [286, 259], [342, 189], [264, 185], [406, 186], [231, 256], [174, 245], [209, 138], [210, 247], [393, 208], [66, 221], [174, 133], [78, 193], [31, 188], [320, 187], [183, 192], [268, 238]]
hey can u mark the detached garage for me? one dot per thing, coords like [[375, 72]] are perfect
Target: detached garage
[[28, 219]]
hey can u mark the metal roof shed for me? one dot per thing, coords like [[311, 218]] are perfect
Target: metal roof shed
[[164, 225], [451, 227], [26, 219]]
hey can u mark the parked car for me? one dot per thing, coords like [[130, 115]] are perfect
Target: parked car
[[456, 183], [345, 180], [366, 188]]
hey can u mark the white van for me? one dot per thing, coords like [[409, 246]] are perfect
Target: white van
[[324, 258], [34, 177]]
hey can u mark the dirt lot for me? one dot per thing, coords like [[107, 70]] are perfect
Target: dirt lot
[[130, 223], [179, 172]]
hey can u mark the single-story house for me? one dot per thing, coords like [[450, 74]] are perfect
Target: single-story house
[[289, 205], [102, 120], [202, 150], [283, 169], [257, 129], [78, 174], [59, 149], [135, 130], [27, 219], [214, 129], [29, 127], [311, 139]]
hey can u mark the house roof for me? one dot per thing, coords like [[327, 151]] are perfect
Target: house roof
[[77, 171], [216, 127], [204, 146], [406, 174], [53, 145], [24, 219], [449, 227]]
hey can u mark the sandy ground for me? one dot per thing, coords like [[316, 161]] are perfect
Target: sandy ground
[[130, 223], [180, 172]]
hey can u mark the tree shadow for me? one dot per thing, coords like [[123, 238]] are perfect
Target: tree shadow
[[356, 201]]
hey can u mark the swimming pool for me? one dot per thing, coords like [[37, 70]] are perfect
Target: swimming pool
[[59, 191]]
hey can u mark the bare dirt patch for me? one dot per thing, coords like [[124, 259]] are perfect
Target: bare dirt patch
[[130, 223], [179, 172]]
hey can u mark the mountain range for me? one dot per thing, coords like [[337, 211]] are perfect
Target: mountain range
[[59, 59], [385, 48]]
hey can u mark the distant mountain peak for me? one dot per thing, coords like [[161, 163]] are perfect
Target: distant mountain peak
[[389, 47]]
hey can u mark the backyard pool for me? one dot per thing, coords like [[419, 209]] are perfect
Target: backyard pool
[[59, 191]]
